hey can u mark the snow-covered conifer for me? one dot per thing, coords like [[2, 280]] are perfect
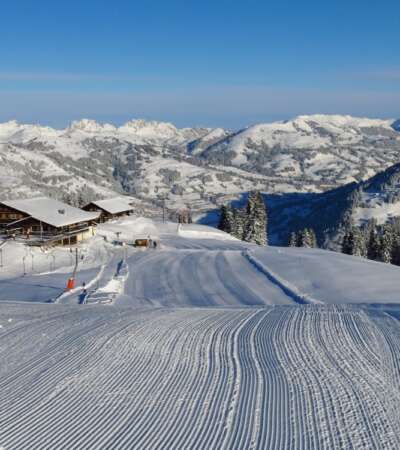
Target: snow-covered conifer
[[293, 239], [239, 220], [353, 242], [313, 238], [256, 220], [372, 240], [305, 238], [226, 222], [386, 243]]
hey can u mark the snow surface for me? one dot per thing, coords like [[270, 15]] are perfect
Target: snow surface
[[199, 265], [333, 278], [98, 377], [205, 342], [375, 206]]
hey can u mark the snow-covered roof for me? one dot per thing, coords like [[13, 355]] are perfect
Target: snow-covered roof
[[113, 205], [50, 211]]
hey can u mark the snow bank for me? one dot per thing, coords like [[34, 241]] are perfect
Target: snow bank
[[287, 287], [193, 231], [333, 277]]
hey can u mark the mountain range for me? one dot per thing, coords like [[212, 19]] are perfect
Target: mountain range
[[196, 167]]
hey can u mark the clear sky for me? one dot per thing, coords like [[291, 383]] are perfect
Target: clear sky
[[215, 63]]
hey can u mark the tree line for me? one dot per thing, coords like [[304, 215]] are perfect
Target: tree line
[[248, 224], [303, 238], [373, 241]]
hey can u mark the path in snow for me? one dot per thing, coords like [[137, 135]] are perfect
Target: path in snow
[[199, 272], [206, 272], [198, 278], [105, 378]]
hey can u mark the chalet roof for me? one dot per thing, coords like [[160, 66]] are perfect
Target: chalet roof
[[50, 211], [113, 205]]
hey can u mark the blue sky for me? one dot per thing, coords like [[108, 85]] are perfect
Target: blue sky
[[214, 63]]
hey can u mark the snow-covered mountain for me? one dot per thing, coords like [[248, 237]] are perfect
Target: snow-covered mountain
[[149, 160], [200, 167], [319, 150], [329, 213]]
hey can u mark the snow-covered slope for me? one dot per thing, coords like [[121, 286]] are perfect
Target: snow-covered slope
[[330, 212], [101, 378], [321, 149], [197, 146], [206, 343], [330, 277], [197, 268], [200, 266]]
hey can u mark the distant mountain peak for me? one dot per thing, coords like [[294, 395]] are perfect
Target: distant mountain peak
[[149, 126], [90, 125], [10, 123]]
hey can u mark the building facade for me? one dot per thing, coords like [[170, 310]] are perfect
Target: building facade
[[44, 220], [111, 208]]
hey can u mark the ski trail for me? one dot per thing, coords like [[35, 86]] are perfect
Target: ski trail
[[277, 378], [198, 278]]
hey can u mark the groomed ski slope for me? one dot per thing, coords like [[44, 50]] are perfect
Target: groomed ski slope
[[196, 266], [200, 271], [302, 377], [208, 343], [198, 278]]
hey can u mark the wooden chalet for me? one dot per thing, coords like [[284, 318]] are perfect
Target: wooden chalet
[[45, 220], [110, 208]]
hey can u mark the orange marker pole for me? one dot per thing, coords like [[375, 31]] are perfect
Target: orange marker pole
[[70, 284]]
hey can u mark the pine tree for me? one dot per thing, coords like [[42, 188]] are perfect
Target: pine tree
[[386, 244], [348, 242], [353, 242], [361, 248], [239, 220], [226, 222], [249, 226], [261, 215], [395, 259], [300, 238], [313, 238], [256, 220], [395, 254], [372, 240], [293, 239], [305, 238]]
